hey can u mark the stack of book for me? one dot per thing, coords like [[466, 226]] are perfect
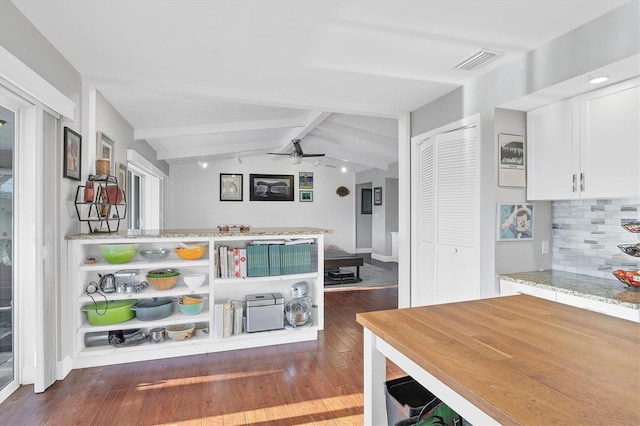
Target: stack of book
[[228, 318], [231, 262], [271, 258]]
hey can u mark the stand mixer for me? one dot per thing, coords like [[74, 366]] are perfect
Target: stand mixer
[[298, 310]]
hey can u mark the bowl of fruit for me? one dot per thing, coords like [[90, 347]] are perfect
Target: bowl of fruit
[[630, 278]]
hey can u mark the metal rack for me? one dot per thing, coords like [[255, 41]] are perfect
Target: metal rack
[[101, 203]]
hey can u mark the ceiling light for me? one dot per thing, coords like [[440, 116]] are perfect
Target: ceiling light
[[295, 159], [317, 162], [203, 164], [2, 122], [600, 79], [344, 169], [238, 159]]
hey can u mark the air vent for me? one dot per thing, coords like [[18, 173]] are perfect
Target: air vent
[[477, 59]]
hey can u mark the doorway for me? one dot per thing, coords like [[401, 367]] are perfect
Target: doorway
[[7, 313]]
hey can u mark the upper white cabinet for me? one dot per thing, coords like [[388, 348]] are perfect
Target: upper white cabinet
[[586, 147]]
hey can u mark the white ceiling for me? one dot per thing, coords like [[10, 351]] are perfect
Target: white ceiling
[[211, 79]]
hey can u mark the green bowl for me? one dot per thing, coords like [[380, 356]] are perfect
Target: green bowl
[[163, 273], [118, 253], [109, 312]]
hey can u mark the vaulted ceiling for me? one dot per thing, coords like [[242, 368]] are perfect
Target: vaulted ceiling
[[214, 79]]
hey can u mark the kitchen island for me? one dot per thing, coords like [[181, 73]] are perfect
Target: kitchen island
[[509, 360], [86, 265]]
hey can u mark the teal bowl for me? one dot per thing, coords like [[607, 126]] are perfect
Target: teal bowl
[[118, 253], [191, 309]]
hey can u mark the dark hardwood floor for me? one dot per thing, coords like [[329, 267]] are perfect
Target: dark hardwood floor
[[319, 382]]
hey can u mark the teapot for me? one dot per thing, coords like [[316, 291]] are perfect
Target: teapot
[[107, 283]]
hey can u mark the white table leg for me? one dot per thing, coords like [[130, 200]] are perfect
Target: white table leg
[[375, 374]]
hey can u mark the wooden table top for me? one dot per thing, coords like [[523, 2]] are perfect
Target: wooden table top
[[522, 359]]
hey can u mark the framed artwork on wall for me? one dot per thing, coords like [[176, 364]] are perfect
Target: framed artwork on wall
[[377, 196], [270, 187], [306, 180], [72, 166], [231, 187], [306, 196], [511, 161], [515, 222], [121, 176]]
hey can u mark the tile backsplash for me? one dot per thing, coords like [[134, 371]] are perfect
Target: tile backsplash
[[586, 235]]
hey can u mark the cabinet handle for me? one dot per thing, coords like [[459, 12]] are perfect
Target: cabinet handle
[[575, 183], [581, 181]]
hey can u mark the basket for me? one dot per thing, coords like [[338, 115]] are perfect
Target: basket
[[165, 283], [630, 249]]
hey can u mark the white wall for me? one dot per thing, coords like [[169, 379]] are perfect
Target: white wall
[[194, 199], [608, 39]]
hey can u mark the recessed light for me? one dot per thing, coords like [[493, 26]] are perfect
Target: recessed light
[[600, 79], [344, 169], [203, 164]]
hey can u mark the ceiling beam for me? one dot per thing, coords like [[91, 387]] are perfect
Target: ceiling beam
[[204, 129], [314, 119], [178, 152]]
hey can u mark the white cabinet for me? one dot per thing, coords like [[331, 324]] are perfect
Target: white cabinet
[[586, 147], [81, 274]]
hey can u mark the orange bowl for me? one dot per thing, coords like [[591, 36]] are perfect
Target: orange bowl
[[193, 252]]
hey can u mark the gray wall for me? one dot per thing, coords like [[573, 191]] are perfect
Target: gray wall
[[610, 38], [518, 256]]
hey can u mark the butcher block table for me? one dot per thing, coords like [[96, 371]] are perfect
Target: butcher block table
[[509, 360]]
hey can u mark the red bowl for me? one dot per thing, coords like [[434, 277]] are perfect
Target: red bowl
[[630, 278]]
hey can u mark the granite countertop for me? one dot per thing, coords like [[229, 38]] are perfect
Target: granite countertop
[[198, 233], [601, 289]]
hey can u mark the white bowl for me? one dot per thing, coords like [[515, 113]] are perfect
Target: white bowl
[[194, 280], [180, 331]]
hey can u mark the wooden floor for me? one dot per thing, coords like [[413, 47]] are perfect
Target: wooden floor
[[319, 382]]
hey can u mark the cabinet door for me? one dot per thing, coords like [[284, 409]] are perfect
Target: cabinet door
[[553, 151], [610, 149]]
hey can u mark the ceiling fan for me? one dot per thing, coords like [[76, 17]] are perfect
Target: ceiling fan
[[296, 155]]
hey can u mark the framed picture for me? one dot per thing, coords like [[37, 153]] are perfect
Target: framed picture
[[366, 202], [377, 196], [511, 151], [306, 196], [306, 180], [515, 222], [230, 187], [72, 165], [121, 175], [271, 187], [104, 150]]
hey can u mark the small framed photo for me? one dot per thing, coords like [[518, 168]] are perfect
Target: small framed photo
[[306, 196], [377, 196], [271, 187], [230, 187], [515, 222], [306, 180], [104, 149], [72, 167], [121, 175]]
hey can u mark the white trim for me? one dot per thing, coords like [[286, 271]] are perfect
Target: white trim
[[405, 211], [382, 258], [138, 160], [364, 250], [13, 71]]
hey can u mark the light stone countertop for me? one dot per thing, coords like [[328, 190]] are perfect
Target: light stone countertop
[[198, 233], [588, 287]]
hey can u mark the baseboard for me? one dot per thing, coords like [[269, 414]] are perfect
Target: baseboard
[[64, 367], [27, 375], [364, 250], [382, 258]]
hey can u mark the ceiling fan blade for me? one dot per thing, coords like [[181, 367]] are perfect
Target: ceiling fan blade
[[313, 155], [279, 153]]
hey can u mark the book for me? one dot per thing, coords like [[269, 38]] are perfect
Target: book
[[274, 259], [218, 319], [238, 313], [227, 329]]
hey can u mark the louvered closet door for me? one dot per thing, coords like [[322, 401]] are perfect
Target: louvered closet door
[[448, 219], [423, 294], [457, 217]]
